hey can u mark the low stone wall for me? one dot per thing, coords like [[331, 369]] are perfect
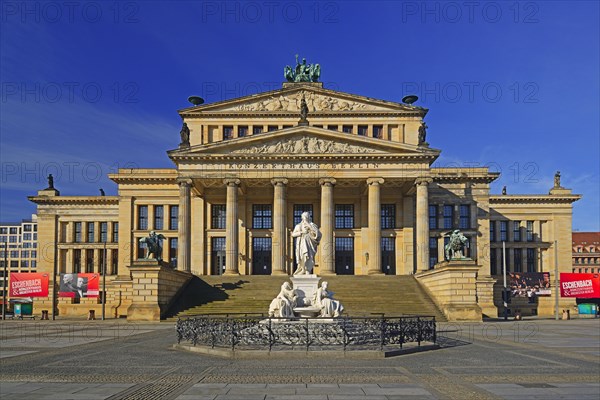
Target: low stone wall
[[154, 286], [485, 296], [453, 286]]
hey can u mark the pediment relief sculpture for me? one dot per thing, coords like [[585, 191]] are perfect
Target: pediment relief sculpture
[[314, 101], [304, 145]]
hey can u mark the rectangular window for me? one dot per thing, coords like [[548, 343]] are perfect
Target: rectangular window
[[227, 132], [518, 267], [332, 127], [14, 254], [25, 254], [363, 130], [530, 260], [287, 126], [242, 131], [344, 216], [3, 231], [517, 232], [448, 216], [115, 262], [173, 218], [388, 216], [27, 228], [159, 217], [101, 261], [493, 262], [27, 236], [35, 236], [492, 231], [90, 232], [141, 249], [3, 239], [530, 231], [13, 231], [12, 239], [271, 128], [89, 261], [433, 252], [347, 128], [433, 222], [173, 252], [378, 131], [33, 254], [299, 209], [218, 219], [262, 216], [24, 264], [115, 237], [103, 232], [76, 261], [503, 231], [464, 221], [257, 130], [143, 218], [77, 227]]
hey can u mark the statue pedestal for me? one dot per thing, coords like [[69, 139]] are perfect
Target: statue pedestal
[[453, 286], [305, 286]]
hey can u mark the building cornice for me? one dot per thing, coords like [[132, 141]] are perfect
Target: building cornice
[[74, 200], [533, 199]]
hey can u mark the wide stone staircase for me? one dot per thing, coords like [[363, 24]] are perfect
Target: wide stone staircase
[[360, 295]]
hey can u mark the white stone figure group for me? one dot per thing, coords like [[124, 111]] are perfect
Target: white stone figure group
[[307, 236], [324, 301], [283, 305]]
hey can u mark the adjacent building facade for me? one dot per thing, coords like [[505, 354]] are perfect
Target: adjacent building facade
[[247, 168], [18, 241], [586, 252]]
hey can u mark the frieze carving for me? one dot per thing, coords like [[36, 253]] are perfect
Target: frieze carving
[[314, 101], [304, 145]]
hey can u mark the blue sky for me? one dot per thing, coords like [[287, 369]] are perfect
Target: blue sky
[[88, 87]]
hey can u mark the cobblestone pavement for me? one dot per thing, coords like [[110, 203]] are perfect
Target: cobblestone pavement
[[543, 359]]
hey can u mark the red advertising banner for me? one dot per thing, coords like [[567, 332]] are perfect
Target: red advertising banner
[[580, 285], [28, 284], [79, 285]]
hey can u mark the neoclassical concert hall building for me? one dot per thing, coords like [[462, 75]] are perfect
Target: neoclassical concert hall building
[[247, 168]]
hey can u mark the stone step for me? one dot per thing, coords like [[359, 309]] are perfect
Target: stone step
[[360, 295]]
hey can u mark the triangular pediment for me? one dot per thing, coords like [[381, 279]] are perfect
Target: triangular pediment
[[287, 100], [303, 141]]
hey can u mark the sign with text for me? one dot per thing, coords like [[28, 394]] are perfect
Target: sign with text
[[28, 284], [527, 284], [79, 285], [580, 285]]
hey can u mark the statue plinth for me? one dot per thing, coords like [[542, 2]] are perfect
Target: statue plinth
[[296, 84], [305, 286]]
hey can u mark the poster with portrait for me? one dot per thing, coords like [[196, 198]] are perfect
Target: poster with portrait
[[28, 284], [527, 284], [79, 285]]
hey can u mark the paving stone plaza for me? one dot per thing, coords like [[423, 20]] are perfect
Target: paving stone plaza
[[531, 359]]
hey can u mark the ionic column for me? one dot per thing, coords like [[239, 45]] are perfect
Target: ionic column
[[327, 246], [183, 241], [374, 263], [279, 226], [231, 227], [422, 222]]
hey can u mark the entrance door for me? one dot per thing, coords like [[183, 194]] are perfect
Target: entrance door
[[344, 256], [388, 256], [261, 256], [217, 255]]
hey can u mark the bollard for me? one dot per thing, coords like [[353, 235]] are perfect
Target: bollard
[[45, 314], [91, 315]]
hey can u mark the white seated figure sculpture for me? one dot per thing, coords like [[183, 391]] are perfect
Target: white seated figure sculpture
[[283, 305], [307, 236], [324, 300]]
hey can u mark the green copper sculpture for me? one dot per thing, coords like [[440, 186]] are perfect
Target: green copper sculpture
[[303, 72]]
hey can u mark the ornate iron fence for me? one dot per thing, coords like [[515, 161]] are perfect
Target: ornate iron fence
[[347, 333]]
